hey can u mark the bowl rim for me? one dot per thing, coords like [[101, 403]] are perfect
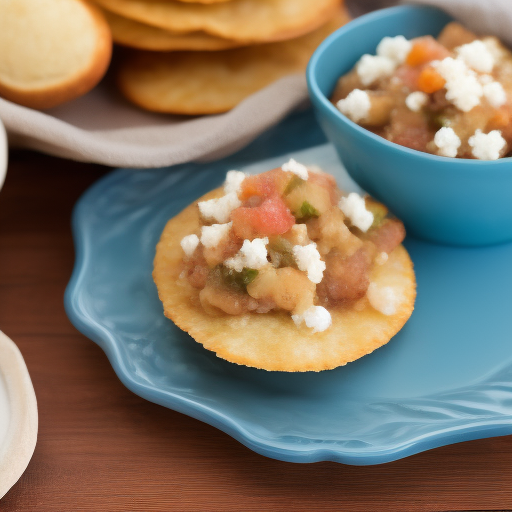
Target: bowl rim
[[461, 164]]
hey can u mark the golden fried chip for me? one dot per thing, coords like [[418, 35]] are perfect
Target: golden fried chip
[[210, 83], [249, 21], [272, 341], [201, 1], [145, 37]]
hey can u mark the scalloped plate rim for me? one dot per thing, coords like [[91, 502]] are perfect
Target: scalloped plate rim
[[473, 430]]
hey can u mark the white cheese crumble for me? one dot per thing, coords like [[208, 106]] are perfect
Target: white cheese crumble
[[450, 68], [355, 106], [233, 181], [354, 207], [308, 260], [316, 317], [416, 101], [494, 47], [189, 243], [372, 67], [394, 48], [219, 209], [447, 141], [462, 86], [212, 235], [485, 79], [487, 146], [293, 166], [477, 56], [252, 254], [495, 94], [383, 298]]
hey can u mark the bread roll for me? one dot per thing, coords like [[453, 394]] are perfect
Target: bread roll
[[51, 51]]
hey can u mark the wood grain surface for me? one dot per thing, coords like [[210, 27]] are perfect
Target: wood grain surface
[[101, 448]]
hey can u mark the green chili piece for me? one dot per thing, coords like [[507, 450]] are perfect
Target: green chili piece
[[280, 251], [238, 280], [294, 182], [280, 244], [379, 211], [248, 275], [307, 211], [440, 120], [378, 219]]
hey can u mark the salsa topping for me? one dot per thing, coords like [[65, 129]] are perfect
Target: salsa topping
[[412, 92], [288, 240]]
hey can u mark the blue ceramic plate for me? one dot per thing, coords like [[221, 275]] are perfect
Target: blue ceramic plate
[[446, 377]]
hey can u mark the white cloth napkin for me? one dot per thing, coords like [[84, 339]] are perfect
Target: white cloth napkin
[[101, 127], [489, 17]]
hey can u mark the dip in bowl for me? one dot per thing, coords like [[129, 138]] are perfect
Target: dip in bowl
[[440, 199]]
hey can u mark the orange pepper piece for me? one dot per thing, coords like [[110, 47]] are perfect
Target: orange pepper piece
[[425, 49], [498, 120], [430, 81]]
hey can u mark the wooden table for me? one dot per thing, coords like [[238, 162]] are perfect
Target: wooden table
[[101, 448]]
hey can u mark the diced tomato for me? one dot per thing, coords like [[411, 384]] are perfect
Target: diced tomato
[[409, 76], [271, 217], [430, 80], [426, 49], [388, 235], [414, 138], [264, 185]]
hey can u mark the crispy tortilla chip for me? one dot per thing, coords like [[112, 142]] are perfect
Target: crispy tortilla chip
[[211, 83], [145, 37], [249, 21], [201, 1], [272, 341]]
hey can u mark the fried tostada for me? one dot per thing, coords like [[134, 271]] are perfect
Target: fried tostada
[[282, 271]]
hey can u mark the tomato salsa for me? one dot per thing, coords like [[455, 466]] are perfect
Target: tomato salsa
[[449, 96], [290, 240]]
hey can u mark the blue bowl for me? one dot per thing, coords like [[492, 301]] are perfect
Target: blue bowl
[[445, 200]]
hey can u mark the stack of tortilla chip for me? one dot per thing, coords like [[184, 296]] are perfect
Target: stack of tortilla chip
[[206, 56]]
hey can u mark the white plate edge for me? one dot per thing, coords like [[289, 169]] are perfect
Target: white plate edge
[[21, 435]]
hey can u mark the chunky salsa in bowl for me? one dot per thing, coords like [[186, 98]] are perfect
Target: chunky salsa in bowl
[[437, 159], [449, 96]]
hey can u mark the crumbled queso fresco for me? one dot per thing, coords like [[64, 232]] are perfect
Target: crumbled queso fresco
[[296, 168], [253, 254], [189, 244], [416, 101], [447, 141], [487, 146], [256, 243], [354, 208], [316, 317], [309, 260], [219, 209], [434, 95], [212, 235], [356, 105]]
